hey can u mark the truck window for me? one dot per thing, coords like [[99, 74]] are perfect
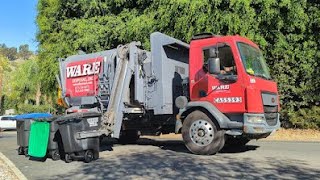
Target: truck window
[[253, 61], [177, 52], [227, 64], [6, 118]]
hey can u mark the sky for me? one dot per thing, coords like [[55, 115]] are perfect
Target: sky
[[18, 23]]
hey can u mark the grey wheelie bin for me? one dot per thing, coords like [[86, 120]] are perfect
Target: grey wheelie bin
[[23, 123], [80, 135]]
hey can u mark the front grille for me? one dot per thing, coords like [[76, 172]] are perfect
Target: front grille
[[271, 114]]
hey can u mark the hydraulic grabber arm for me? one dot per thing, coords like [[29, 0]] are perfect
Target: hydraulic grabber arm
[[112, 118]]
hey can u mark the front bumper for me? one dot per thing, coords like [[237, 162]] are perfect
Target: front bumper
[[259, 128]]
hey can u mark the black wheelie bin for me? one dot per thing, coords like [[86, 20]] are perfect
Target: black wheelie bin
[[55, 141], [80, 135], [23, 123]]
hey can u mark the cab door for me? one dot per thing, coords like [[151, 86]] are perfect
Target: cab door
[[225, 89]]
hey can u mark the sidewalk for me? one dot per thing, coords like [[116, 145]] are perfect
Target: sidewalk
[[8, 170]]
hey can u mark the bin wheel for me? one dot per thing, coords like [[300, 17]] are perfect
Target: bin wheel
[[26, 152], [55, 155], [88, 156], [96, 155], [20, 151], [68, 158]]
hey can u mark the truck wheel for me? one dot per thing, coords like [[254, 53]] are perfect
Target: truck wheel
[[200, 135], [88, 156], [20, 151], [55, 155]]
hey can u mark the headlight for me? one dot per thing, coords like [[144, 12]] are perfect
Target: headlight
[[255, 119]]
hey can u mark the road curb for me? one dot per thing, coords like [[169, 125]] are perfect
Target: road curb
[[15, 170]]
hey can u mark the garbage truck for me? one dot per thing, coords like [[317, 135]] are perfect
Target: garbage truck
[[215, 91]]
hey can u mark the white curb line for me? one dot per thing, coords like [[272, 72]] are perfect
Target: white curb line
[[15, 170]]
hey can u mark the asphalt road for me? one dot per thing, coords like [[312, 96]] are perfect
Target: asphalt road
[[169, 159]]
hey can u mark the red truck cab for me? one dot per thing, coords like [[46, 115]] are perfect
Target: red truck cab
[[230, 83]]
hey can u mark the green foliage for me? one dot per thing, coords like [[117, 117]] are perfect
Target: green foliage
[[24, 52], [308, 118], [22, 83], [12, 53], [287, 31], [4, 65], [27, 108]]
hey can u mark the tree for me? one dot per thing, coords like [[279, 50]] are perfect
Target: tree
[[11, 53], [285, 30], [4, 67], [24, 84], [24, 52]]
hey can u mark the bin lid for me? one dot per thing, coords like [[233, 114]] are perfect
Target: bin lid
[[33, 116], [79, 115]]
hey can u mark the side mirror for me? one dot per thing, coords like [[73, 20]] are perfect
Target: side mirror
[[214, 65]]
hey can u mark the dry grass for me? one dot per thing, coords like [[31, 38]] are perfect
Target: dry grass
[[295, 135], [280, 135]]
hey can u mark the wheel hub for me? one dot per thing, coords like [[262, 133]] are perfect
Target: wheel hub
[[201, 132]]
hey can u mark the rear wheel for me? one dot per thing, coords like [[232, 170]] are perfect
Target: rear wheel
[[201, 135], [96, 155], [25, 151], [88, 156], [67, 158]]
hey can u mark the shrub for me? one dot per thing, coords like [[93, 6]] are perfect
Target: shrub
[[307, 118]]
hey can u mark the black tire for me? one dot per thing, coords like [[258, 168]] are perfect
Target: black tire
[[217, 137], [96, 155], [67, 158], [88, 156], [129, 137], [20, 151], [55, 155], [25, 151], [236, 141]]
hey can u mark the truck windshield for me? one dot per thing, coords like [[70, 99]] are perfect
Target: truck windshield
[[253, 61]]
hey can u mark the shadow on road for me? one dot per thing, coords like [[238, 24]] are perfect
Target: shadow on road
[[175, 145], [240, 149], [168, 164]]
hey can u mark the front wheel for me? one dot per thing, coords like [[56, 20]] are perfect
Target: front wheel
[[20, 151], [55, 155], [200, 135]]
